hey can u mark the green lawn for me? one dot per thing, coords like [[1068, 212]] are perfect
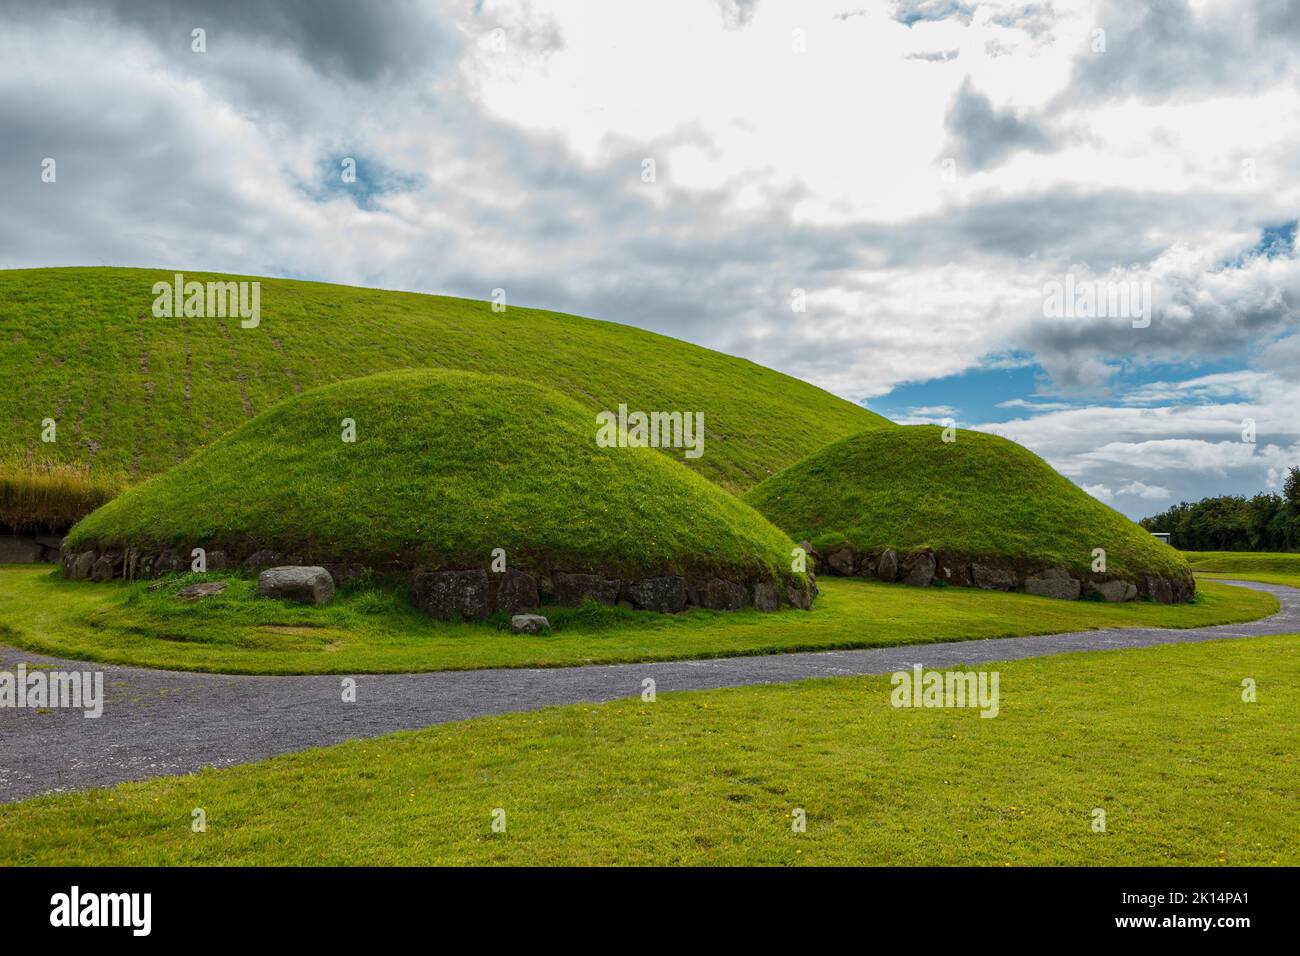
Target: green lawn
[[1269, 567], [1160, 739], [978, 498], [375, 631]]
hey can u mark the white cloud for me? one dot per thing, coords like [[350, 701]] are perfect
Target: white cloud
[[1137, 489], [776, 170], [1100, 492]]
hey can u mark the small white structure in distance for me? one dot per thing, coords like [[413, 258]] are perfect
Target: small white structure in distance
[[1161, 536]]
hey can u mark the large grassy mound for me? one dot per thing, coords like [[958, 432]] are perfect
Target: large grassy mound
[[446, 467], [133, 394], [980, 497]]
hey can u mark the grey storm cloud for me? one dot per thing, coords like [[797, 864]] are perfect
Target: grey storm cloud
[[981, 136], [361, 41], [1165, 49]]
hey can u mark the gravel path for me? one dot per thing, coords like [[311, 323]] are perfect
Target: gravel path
[[170, 722]]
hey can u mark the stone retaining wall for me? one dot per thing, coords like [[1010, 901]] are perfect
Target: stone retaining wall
[[923, 567], [472, 594], [30, 548]]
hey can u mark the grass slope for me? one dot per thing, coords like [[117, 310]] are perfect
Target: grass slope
[[445, 468], [134, 395], [1160, 739], [981, 496], [1269, 567], [366, 630]]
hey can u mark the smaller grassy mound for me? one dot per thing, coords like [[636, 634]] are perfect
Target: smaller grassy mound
[[979, 498], [445, 468]]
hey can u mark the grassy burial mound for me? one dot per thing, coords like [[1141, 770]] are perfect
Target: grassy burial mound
[[980, 511], [132, 394], [446, 468]]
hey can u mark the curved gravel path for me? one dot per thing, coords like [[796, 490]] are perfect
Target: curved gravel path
[[157, 723]]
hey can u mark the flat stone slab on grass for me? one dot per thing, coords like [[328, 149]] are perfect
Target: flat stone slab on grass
[[196, 592], [306, 585]]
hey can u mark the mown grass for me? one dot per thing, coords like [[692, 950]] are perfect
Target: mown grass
[[446, 467], [134, 394], [1159, 739], [979, 497], [50, 496], [370, 629], [1269, 567]]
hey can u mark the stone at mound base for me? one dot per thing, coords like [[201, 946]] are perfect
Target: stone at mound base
[[196, 592], [448, 595], [1053, 583], [269, 559], [529, 624], [1169, 591], [83, 565], [887, 565], [992, 579], [798, 597], [952, 571], [16, 550], [719, 595], [1113, 591], [918, 569], [307, 585], [840, 562], [765, 597], [168, 562], [666, 595], [107, 567], [575, 588], [514, 592]]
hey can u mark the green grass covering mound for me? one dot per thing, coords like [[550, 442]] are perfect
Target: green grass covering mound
[[979, 497], [133, 394], [446, 467]]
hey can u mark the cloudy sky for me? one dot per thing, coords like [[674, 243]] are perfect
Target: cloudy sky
[[916, 175]]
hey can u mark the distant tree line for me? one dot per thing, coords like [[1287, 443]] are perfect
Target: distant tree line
[[1266, 522]]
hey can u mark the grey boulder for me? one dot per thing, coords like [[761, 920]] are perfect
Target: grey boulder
[[765, 596], [83, 565], [269, 559], [306, 585], [719, 595], [514, 592], [666, 595], [170, 561], [918, 569], [1053, 583], [1113, 591], [840, 562], [887, 565], [950, 570], [448, 595], [576, 588], [529, 624], [992, 579], [107, 567]]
